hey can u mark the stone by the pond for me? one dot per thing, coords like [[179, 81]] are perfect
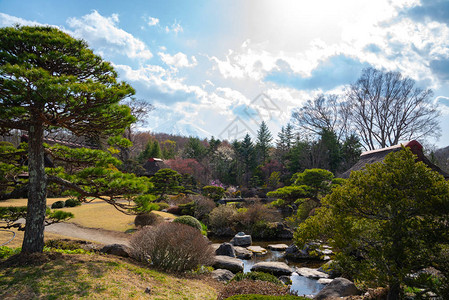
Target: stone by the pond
[[225, 249], [257, 250], [324, 281], [292, 252], [222, 275], [241, 239], [278, 247], [232, 264], [215, 246], [242, 253], [116, 249], [339, 287], [273, 267], [311, 273]]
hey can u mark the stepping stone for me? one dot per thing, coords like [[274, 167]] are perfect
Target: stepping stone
[[257, 250], [311, 273], [273, 267], [278, 247], [232, 264]]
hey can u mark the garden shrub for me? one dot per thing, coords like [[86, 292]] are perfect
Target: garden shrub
[[147, 219], [189, 220], [72, 202], [162, 205], [172, 247], [222, 217], [203, 206], [248, 286], [257, 276], [187, 208], [174, 210], [58, 204], [213, 192]]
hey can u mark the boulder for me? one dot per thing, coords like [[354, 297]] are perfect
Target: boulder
[[311, 273], [232, 264], [225, 249], [222, 275], [293, 253], [277, 247], [324, 281], [273, 267], [257, 250], [116, 249], [339, 287], [241, 239], [242, 253]]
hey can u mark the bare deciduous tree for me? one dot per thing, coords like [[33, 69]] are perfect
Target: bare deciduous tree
[[322, 113], [385, 108]]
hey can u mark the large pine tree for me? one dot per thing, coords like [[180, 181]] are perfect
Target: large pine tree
[[49, 80]]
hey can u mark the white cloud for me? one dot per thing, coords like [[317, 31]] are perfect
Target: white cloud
[[175, 27], [179, 60], [152, 21], [8, 20], [103, 34]]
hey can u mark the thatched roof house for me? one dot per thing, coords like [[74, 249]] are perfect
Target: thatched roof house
[[373, 156], [153, 165]]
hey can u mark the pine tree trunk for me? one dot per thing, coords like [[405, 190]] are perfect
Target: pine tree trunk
[[33, 240], [394, 291]]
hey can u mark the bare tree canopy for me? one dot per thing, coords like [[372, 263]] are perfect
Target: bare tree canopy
[[322, 113], [381, 108], [385, 108]]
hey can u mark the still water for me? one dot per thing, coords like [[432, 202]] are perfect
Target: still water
[[300, 284]]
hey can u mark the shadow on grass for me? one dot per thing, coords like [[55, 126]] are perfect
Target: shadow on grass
[[58, 278]]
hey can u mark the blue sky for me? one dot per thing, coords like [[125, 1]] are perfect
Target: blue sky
[[221, 67]]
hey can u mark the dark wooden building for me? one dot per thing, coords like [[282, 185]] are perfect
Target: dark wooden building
[[373, 156]]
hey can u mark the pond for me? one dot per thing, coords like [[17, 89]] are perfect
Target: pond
[[300, 284]]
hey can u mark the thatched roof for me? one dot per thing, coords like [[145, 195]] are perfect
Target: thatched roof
[[373, 156], [152, 165]]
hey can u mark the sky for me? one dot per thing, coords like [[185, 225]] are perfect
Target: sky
[[220, 68]]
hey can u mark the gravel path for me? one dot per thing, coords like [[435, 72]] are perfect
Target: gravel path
[[101, 236]]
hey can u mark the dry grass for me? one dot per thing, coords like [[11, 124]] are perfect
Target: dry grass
[[96, 214], [96, 277], [17, 241]]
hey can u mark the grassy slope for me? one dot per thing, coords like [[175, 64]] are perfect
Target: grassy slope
[[96, 277]]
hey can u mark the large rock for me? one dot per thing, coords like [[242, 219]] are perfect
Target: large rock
[[257, 250], [311, 273], [339, 287], [283, 232], [273, 267], [222, 275], [241, 239], [116, 249], [232, 264], [293, 253], [242, 253], [225, 249], [277, 247]]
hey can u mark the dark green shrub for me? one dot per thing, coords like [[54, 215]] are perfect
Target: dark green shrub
[[58, 204], [257, 276], [187, 209], [172, 247], [162, 205], [190, 221], [72, 202], [213, 192], [147, 219]]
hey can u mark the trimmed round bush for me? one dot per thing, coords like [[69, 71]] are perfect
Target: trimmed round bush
[[58, 204], [147, 219], [190, 221], [72, 202], [172, 247]]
